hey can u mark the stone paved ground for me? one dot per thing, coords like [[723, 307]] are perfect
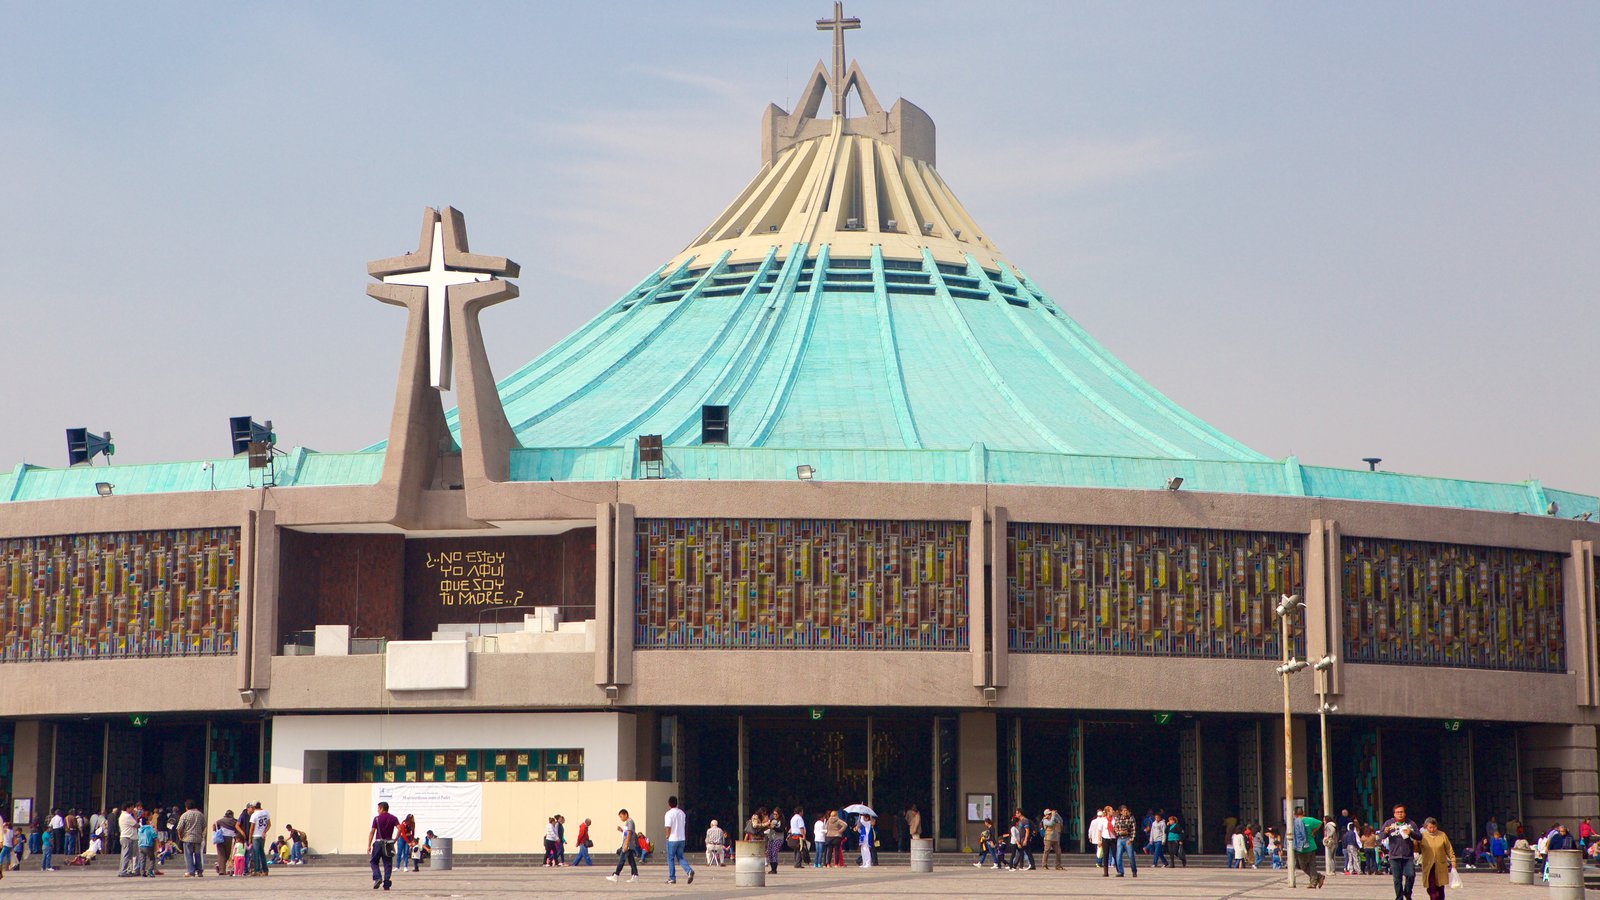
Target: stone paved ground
[[345, 880]]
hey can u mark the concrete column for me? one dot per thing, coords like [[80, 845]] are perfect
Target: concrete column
[[1000, 666], [1333, 573], [244, 622], [977, 765], [604, 569], [1578, 605], [33, 744], [1316, 592], [978, 597], [1558, 765], [264, 599], [622, 588], [629, 729]]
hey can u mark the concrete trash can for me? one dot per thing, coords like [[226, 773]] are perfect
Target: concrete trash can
[[1522, 867], [922, 855], [1566, 874], [750, 864], [443, 856]]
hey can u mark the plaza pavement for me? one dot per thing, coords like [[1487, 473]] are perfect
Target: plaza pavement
[[345, 880]]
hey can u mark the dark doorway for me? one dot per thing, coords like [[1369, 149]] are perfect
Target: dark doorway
[[794, 761], [161, 763], [1411, 772], [709, 768], [1132, 763]]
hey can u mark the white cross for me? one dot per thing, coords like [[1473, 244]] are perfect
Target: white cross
[[437, 277]]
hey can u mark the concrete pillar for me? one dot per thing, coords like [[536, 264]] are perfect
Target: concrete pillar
[[604, 570], [978, 766], [999, 596], [1559, 766], [264, 599], [622, 588], [32, 776], [628, 729], [1578, 604], [978, 597]]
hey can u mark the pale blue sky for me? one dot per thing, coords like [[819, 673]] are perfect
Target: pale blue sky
[[1330, 229]]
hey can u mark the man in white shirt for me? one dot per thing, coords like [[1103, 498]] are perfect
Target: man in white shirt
[[260, 822], [128, 830], [677, 825], [797, 836]]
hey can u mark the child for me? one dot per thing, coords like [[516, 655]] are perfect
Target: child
[[238, 859], [46, 842], [985, 843], [147, 847]]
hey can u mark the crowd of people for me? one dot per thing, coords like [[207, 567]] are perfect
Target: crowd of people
[[145, 840]]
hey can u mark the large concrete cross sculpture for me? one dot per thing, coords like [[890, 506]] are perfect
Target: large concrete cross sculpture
[[447, 273], [838, 25]]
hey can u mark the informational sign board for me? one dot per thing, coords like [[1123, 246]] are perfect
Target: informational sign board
[[448, 810], [980, 807]]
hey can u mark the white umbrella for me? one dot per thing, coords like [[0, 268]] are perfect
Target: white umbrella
[[861, 808]]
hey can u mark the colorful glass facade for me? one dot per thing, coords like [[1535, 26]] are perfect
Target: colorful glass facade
[[751, 583], [418, 766], [1452, 605], [1130, 590], [112, 596]]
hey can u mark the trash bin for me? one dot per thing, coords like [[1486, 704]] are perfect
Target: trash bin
[[750, 864], [443, 858], [922, 855], [1522, 867], [1565, 868]]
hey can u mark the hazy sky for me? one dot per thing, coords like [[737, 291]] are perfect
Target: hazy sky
[[1330, 229]]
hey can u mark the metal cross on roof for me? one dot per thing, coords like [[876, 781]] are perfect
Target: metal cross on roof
[[838, 25]]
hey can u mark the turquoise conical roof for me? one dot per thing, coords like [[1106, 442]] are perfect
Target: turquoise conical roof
[[846, 299]]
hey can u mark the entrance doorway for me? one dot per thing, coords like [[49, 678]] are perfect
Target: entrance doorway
[[1133, 763], [157, 764]]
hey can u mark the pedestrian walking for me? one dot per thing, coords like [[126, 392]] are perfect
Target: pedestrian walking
[[260, 824], [677, 825], [1158, 844], [1436, 859], [1104, 840], [1175, 849], [380, 846], [128, 832], [583, 858], [1305, 847], [865, 834], [628, 854], [1400, 833], [223, 834], [777, 828]]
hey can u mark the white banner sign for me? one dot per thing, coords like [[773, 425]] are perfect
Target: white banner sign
[[448, 810]]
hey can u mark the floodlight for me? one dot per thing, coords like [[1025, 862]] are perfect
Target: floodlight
[[103, 488], [1292, 666], [1174, 482], [804, 473], [1324, 664]]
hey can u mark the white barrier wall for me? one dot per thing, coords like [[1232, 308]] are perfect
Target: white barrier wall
[[300, 743], [336, 817]]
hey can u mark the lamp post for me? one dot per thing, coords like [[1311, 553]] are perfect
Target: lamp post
[[1290, 666], [1323, 708]]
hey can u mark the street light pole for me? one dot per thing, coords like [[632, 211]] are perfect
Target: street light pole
[[1289, 667], [1323, 708]]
